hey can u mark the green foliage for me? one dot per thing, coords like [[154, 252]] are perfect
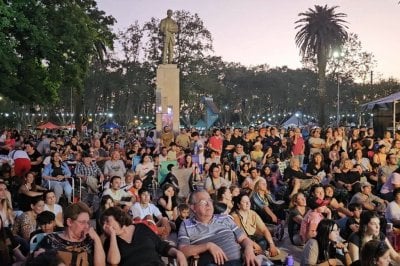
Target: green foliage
[[320, 32], [49, 44]]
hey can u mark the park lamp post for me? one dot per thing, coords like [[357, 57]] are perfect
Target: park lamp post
[[338, 55]]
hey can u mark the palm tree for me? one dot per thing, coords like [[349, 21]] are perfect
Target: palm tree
[[320, 32]]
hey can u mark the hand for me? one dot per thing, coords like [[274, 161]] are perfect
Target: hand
[[274, 218], [181, 259], [38, 252], [109, 230], [218, 254], [273, 251], [92, 234], [249, 256]]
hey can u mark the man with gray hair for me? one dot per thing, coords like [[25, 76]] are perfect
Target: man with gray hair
[[215, 238]]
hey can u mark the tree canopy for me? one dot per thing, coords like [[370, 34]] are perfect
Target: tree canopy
[[46, 45]]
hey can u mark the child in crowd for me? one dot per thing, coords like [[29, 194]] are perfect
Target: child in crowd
[[183, 214]]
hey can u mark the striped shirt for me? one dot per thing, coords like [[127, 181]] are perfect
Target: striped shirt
[[221, 230]]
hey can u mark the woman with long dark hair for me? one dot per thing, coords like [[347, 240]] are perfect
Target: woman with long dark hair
[[321, 250], [229, 174], [55, 176], [375, 253], [369, 230], [27, 191]]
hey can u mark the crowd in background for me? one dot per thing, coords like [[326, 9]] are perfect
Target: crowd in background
[[337, 190]]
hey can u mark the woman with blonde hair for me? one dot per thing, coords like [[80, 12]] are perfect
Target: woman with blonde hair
[[264, 204], [6, 213], [297, 210]]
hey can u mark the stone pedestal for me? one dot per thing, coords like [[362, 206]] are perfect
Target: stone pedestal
[[167, 97]]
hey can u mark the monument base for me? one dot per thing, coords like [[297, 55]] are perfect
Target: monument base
[[167, 97]]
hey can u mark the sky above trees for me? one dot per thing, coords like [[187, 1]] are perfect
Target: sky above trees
[[258, 31]]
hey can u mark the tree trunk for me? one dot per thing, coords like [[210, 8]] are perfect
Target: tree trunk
[[322, 61], [78, 110]]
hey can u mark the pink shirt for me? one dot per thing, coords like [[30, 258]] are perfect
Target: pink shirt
[[298, 148], [311, 219]]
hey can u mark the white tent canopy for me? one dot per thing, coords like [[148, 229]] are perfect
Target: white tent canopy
[[294, 121]]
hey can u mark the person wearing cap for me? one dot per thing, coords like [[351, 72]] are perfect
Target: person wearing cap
[[91, 175], [368, 200]]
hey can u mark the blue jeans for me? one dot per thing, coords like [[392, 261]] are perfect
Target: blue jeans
[[58, 188]]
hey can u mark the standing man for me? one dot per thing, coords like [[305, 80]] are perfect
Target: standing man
[[215, 143], [168, 27]]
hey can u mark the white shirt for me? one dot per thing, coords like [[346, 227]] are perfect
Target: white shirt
[[137, 210], [392, 211], [57, 209]]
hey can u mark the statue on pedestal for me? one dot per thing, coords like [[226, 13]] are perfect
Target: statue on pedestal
[[168, 27]]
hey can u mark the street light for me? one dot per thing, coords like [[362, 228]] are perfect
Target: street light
[[338, 55]]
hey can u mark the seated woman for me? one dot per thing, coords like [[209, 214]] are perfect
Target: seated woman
[[375, 253], [145, 169], [229, 174], [25, 224], [27, 191], [317, 168], [6, 212], [168, 202], [224, 195], [79, 243], [244, 172], [214, 181], [55, 177], [318, 211], [129, 244], [105, 203], [321, 249], [253, 226], [51, 205], [296, 178], [338, 208], [369, 230], [297, 210], [262, 202]]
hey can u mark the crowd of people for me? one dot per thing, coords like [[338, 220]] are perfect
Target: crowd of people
[[101, 199]]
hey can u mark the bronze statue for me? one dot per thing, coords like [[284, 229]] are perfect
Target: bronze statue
[[168, 27]]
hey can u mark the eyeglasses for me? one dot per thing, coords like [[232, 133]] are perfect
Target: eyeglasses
[[83, 222], [204, 202]]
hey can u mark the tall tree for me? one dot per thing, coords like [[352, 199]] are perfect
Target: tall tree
[[321, 31], [48, 45]]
